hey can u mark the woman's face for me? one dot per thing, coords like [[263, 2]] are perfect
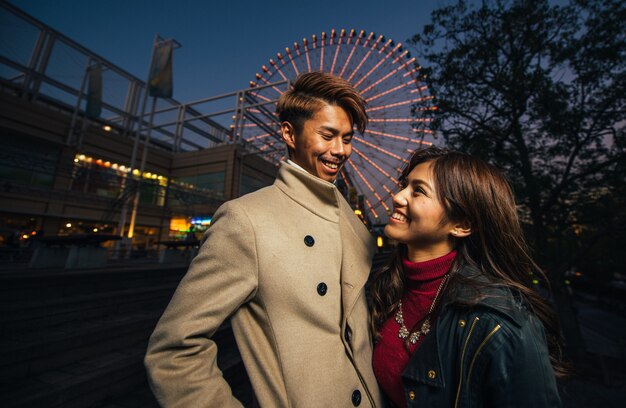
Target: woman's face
[[418, 217]]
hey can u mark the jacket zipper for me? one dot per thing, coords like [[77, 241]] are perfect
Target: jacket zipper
[[458, 391], [469, 373]]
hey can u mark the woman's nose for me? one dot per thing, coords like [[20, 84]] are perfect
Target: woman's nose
[[399, 199]]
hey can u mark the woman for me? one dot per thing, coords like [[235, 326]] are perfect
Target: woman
[[456, 320]]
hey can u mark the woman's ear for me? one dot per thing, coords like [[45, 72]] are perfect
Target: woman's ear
[[461, 230]]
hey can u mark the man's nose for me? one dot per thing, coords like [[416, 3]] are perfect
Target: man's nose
[[338, 148]]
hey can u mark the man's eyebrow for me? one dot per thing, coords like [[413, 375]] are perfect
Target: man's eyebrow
[[336, 131]]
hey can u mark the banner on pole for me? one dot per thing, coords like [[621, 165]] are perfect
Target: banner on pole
[[94, 92], [160, 84]]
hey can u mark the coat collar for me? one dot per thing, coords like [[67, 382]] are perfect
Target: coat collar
[[316, 195]]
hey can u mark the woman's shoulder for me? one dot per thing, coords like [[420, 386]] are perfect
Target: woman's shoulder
[[476, 293]]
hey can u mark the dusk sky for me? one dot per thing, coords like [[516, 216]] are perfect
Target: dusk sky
[[223, 43]]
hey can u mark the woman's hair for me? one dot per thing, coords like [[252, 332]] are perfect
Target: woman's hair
[[476, 193], [314, 89]]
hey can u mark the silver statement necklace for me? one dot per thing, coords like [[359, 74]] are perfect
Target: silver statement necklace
[[403, 333]]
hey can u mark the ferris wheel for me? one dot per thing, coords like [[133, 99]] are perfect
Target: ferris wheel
[[398, 105]]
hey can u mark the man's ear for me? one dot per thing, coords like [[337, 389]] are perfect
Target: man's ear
[[461, 229], [288, 134]]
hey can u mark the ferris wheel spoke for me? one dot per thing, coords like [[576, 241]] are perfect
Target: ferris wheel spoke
[[382, 60], [412, 70], [377, 167], [262, 136], [306, 52], [389, 74], [277, 68], [322, 51], [403, 120], [296, 46], [369, 186], [420, 89], [380, 149], [354, 47], [396, 104], [367, 183], [388, 191], [369, 52], [258, 95], [337, 48], [345, 178], [397, 137], [261, 78], [291, 59], [388, 91], [371, 208]]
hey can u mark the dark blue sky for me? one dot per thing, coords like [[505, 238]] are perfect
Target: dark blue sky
[[224, 43]]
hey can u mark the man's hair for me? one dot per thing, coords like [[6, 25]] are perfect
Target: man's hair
[[314, 89]]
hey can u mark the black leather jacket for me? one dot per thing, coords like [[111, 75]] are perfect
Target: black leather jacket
[[493, 354]]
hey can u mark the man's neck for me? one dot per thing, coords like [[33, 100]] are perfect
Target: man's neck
[[296, 165]]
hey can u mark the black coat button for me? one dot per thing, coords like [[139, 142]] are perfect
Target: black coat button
[[309, 241], [321, 289], [356, 398]]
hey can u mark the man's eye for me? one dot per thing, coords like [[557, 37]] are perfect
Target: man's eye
[[347, 140]]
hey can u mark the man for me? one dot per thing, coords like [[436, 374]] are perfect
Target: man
[[289, 263]]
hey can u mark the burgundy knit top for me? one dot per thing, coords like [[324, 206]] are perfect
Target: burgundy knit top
[[390, 355]]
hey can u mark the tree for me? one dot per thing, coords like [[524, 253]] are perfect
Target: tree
[[540, 91]]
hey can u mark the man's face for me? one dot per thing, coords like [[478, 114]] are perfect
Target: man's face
[[324, 144]]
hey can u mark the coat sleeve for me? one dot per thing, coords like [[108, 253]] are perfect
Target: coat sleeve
[[520, 373], [181, 357]]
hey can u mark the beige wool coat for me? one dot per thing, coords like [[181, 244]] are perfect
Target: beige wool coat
[[289, 263]]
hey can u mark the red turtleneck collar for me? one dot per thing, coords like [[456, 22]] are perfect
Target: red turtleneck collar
[[390, 354]]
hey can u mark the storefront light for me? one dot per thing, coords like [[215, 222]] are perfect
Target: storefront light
[[201, 221]]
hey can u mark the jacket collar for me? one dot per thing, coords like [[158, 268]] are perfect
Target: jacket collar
[[427, 357], [496, 298], [316, 195]]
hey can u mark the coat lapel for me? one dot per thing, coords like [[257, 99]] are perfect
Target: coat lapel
[[356, 259]]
